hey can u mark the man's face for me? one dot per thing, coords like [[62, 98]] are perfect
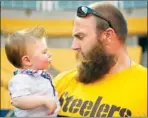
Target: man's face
[[84, 33], [95, 62]]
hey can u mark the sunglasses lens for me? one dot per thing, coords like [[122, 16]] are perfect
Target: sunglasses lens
[[82, 11]]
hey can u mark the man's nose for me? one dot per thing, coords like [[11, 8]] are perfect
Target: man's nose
[[75, 45]]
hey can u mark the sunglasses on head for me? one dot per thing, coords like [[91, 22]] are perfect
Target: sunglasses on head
[[83, 11]]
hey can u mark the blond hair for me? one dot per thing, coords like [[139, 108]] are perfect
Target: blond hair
[[16, 43]]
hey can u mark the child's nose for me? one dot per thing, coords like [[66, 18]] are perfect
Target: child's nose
[[49, 54]]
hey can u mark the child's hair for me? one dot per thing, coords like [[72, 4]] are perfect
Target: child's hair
[[16, 43]]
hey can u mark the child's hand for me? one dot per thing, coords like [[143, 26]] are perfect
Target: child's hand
[[51, 105]]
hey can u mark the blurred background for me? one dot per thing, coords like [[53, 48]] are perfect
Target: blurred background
[[57, 17]]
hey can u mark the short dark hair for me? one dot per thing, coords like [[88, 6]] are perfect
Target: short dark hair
[[114, 15]]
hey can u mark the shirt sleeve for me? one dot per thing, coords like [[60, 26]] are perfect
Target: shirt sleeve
[[19, 86]]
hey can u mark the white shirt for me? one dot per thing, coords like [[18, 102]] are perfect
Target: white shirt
[[23, 85]]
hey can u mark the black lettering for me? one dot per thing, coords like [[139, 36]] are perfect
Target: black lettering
[[62, 98], [75, 103], [88, 105], [68, 100], [72, 105], [98, 101], [125, 112], [112, 110], [103, 108], [78, 105]]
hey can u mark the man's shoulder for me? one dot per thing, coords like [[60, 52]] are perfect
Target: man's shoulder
[[139, 72], [140, 69], [65, 76]]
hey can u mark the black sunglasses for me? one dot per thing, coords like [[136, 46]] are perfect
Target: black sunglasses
[[83, 11]]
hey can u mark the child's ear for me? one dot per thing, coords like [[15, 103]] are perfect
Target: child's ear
[[26, 61]]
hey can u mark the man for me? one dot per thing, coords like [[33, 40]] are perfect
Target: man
[[106, 83]]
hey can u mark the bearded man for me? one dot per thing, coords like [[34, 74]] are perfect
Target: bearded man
[[107, 82]]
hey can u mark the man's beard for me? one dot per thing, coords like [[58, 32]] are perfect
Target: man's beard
[[95, 64]]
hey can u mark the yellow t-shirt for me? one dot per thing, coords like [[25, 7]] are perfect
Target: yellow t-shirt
[[121, 94]]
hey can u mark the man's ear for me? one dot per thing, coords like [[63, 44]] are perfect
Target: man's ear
[[26, 61], [108, 36]]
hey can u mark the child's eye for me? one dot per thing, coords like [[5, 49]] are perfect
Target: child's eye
[[45, 51]]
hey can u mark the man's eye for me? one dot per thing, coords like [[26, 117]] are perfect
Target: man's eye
[[80, 37]]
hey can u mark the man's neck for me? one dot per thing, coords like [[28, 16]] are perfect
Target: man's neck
[[123, 61]]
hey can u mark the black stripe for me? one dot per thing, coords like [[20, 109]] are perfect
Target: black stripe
[[62, 116]]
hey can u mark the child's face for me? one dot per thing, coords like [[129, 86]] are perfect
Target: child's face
[[40, 58]]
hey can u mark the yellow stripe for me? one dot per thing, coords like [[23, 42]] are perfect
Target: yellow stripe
[[137, 25], [64, 27], [53, 27], [9, 114]]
